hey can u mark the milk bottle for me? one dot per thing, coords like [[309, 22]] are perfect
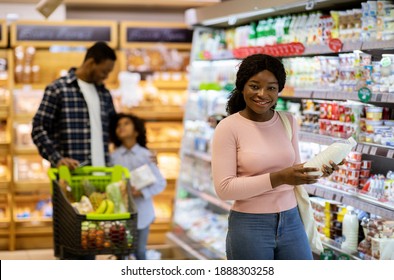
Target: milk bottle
[[335, 152], [350, 230]]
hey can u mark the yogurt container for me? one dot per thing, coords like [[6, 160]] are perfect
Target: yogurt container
[[374, 113]]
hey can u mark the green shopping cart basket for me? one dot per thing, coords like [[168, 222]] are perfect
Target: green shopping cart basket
[[91, 234]]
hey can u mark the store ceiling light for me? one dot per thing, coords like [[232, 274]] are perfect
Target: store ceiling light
[[230, 18]]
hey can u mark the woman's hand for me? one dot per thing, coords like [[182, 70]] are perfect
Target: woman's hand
[[294, 175], [328, 170]]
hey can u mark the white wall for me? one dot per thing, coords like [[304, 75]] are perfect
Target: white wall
[[29, 12]]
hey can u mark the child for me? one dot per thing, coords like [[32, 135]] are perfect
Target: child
[[129, 137]]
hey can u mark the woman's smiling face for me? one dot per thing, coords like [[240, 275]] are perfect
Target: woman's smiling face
[[260, 94]]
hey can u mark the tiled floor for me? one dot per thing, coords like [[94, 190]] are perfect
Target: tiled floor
[[43, 254]]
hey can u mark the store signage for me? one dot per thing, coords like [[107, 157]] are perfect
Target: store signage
[[335, 45], [59, 33], [154, 34], [364, 94]]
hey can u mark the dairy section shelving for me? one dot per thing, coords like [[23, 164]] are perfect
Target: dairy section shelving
[[212, 76], [25, 204]]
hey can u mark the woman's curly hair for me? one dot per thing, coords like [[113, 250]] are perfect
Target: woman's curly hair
[[249, 67], [139, 126]]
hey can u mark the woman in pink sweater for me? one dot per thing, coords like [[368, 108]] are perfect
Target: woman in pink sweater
[[255, 164]]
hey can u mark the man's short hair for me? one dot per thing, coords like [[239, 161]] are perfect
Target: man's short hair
[[100, 51]]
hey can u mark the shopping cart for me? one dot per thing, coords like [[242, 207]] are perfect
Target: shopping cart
[[91, 234]]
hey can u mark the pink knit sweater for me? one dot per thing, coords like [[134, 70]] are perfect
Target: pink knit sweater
[[244, 153]]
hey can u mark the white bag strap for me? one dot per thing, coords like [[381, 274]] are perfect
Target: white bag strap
[[286, 124]]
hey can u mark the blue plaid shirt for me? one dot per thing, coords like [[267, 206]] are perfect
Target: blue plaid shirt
[[61, 126]]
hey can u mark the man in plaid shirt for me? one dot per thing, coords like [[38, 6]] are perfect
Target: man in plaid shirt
[[73, 121]]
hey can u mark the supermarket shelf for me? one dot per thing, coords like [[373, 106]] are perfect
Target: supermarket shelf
[[4, 111], [4, 186], [4, 148], [365, 148], [289, 92], [331, 244], [157, 113], [33, 86], [200, 155], [193, 249], [207, 197], [31, 229], [32, 186], [348, 46], [33, 221], [357, 200], [164, 147], [19, 151], [378, 45], [23, 118], [176, 85]]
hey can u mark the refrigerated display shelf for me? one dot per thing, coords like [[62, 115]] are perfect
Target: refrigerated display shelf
[[191, 248], [301, 93], [207, 197], [200, 155], [365, 148], [353, 198], [335, 246], [347, 46]]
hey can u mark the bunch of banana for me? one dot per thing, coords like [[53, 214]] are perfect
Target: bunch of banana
[[106, 207], [96, 199]]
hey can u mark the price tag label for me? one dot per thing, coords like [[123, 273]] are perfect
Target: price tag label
[[359, 148], [366, 149], [320, 192], [390, 98], [390, 153], [373, 151]]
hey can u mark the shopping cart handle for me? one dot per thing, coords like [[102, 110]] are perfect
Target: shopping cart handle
[[118, 172]]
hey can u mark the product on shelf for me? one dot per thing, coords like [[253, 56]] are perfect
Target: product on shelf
[[3, 131], [42, 209], [201, 224], [25, 70], [380, 187], [27, 100], [169, 164], [3, 70], [23, 135], [379, 238], [27, 168], [156, 59], [164, 133], [350, 227], [4, 96], [3, 169], [162, 210]]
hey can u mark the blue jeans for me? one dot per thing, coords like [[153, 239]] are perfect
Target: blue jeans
[[142, 241], [277, 236]]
